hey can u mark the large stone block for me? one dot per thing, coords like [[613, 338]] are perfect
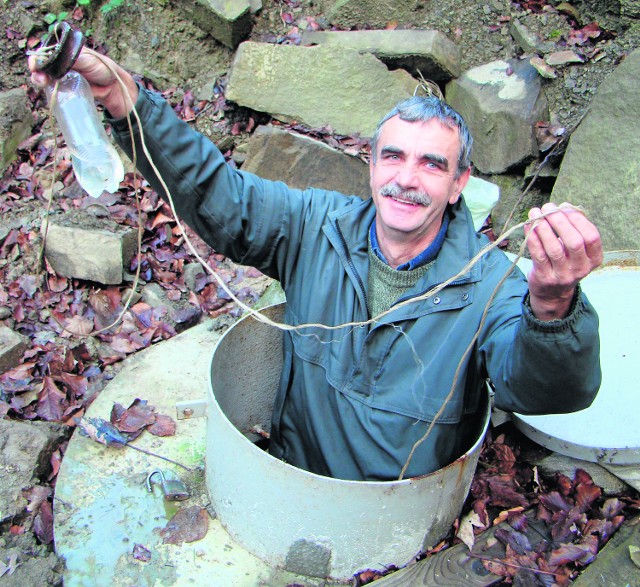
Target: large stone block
[[601, 168], [374, 13], [317, 86], [428, 53], [227, 21], [12, 345], [85, 247], [16, 121], [25, 450], [501, 101], [302, 162]]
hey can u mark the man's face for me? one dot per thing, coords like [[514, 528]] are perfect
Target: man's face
[[413, 180]]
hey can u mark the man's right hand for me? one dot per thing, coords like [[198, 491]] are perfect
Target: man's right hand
[[100, 71]]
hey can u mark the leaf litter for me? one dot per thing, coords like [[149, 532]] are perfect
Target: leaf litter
[[546, 529]]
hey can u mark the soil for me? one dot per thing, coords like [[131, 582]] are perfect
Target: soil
[[154, 38]]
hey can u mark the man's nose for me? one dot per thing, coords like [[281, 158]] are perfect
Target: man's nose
[[406, 176]]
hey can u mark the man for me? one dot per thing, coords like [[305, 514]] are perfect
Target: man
[[353, 401]]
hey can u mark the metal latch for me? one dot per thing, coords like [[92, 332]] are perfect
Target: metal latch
[[172, 489], [195, 408]]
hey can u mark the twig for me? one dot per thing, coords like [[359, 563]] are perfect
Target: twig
[[514, 565], [152, 454]]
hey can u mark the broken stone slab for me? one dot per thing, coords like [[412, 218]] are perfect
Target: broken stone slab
[[227, 21], [317, 86], [12, 345], [25, 451], [557, 463], [27, 563], [16, 122], [562, 58], [501, 101], [527, 40], [420, 52], [542, 67], [303, 162], [601, 169], [80, 245], [374, 13], [193, 272]]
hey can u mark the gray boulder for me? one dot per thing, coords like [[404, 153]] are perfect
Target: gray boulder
[[501, 102], [12, 345], [601, 168], [303, 162], [227, 21], [375, 13], [427, 53], [83, 246], [317, 86], [16, 121], [25, 450]]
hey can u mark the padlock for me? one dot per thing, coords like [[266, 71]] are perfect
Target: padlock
[[172, 489]]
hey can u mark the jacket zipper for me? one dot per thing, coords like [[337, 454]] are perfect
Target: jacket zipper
[[352, 266]]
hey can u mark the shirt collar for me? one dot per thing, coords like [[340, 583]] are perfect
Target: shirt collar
[[426, 256]]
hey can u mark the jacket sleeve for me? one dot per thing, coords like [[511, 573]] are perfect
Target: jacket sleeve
[[242, 216], [541, 367]]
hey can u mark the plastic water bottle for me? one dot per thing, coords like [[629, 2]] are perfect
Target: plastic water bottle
[[96, 163]]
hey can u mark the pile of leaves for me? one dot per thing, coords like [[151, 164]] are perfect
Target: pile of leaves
[[545, 530], [578, 519]]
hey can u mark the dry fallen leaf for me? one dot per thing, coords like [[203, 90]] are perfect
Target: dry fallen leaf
[[465, 531], [188, 525]]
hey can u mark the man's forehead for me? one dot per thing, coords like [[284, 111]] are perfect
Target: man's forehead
[[395, 129]]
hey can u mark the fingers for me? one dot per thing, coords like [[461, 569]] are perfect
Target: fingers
[[563, 239], [111, 85]]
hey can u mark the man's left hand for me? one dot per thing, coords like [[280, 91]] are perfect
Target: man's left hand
[[565, 247]]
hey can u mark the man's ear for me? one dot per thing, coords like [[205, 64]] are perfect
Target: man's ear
[[460, 183]]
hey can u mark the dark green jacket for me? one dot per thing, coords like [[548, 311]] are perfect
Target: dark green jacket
[[353, 401]]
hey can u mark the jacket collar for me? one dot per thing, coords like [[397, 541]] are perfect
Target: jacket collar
[[347, 228]]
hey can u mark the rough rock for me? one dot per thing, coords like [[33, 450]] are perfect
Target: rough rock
[[510, 204], [557, 463], [601, 169], [227, 21], [179, 314], [527, 40], [80, 245], [429, 53], [31, 564], [303, 162], [25, 450], [16, 121], [628, 8], [317, 86], [374, 13], [501, 102], [12, 345]]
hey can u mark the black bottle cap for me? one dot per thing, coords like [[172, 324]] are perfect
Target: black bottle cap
[[63, 45]]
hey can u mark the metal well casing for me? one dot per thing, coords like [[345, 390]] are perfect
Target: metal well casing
[[290, 518]]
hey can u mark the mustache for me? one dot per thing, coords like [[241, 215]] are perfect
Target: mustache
[[393, 190]]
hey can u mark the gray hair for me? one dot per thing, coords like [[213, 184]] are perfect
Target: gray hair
[[424, 109]]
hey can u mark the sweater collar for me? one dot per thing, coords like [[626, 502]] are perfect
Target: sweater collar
[[426, 256]]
